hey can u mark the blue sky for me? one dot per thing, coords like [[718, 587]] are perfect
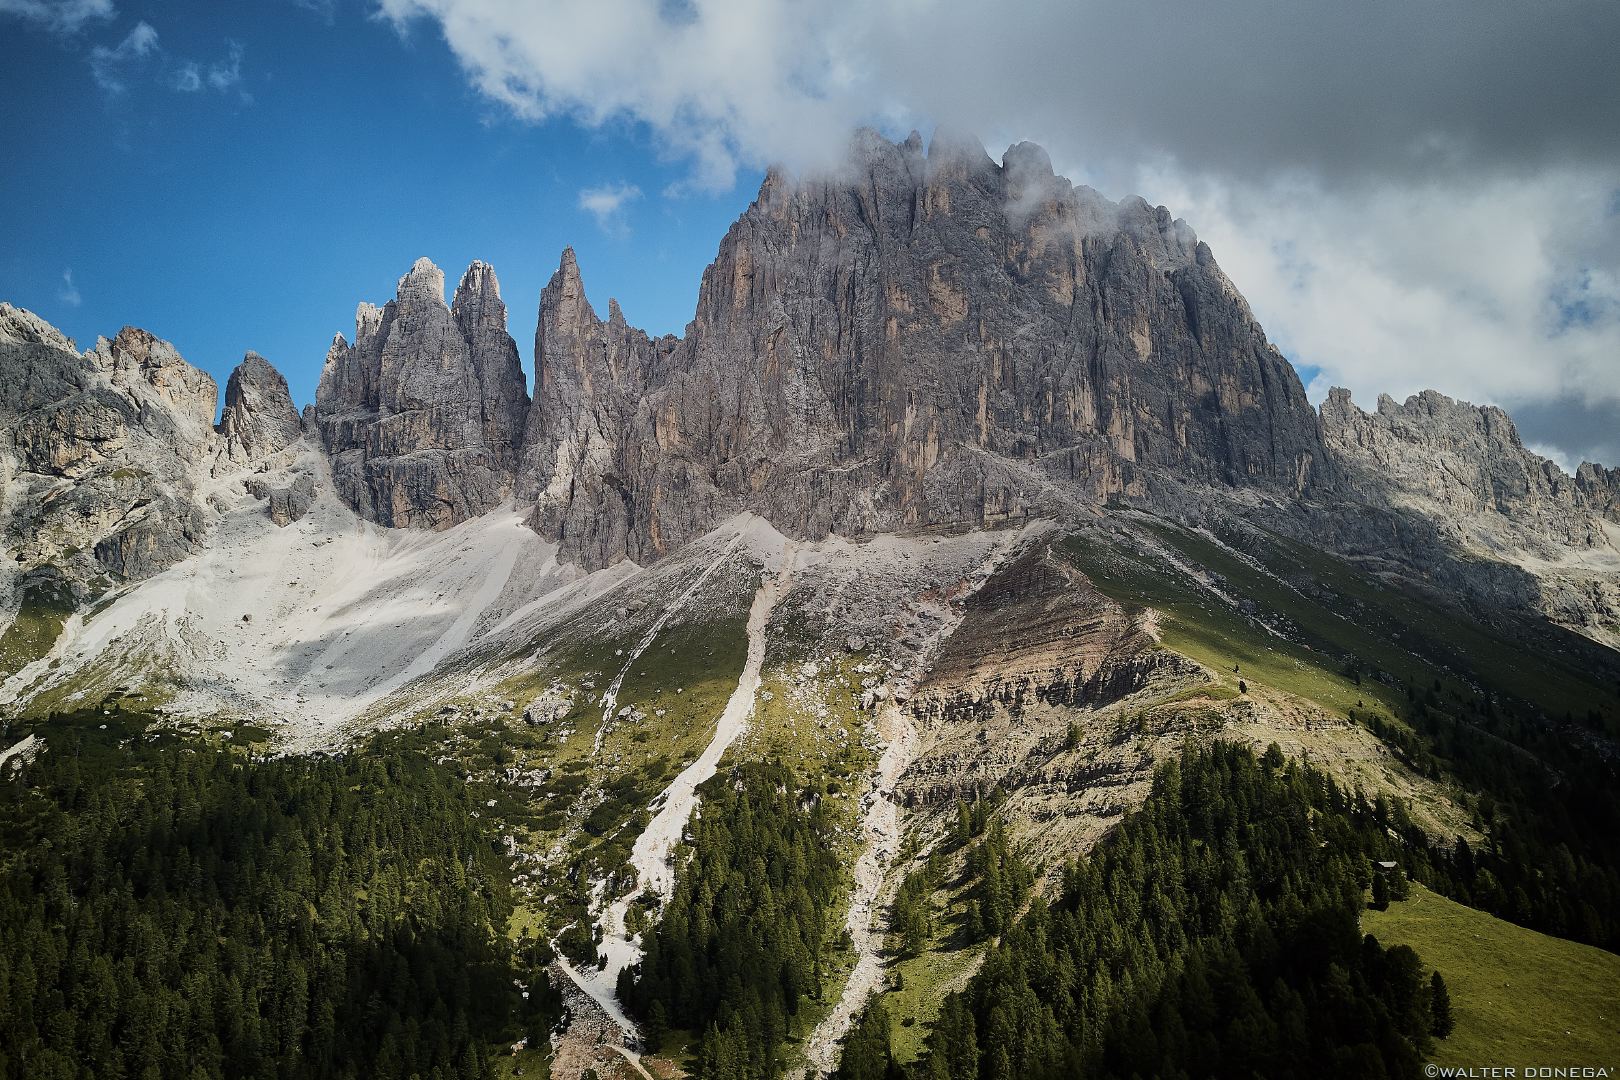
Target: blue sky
[[255, 214]]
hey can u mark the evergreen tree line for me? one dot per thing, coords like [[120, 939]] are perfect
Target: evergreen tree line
[[1550, 809], [743, 939], [996, 879], [1215, 932], [911, 916], [181, 912], [1001, 881]]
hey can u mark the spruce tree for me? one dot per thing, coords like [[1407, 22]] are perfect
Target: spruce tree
[[1441, 1020]]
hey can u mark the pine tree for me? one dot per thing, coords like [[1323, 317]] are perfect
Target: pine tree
[[1441, 1019]]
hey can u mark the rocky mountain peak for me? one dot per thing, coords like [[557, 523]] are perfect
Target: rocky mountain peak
[[100, 453], [478, 288], [20, 326], [1600, 488], [1464, 465], [150, 370], [423, 282], [956, 154], [590, 379], [259, 418], [912, 340], [503, 387], [563, 303], [423, 414]]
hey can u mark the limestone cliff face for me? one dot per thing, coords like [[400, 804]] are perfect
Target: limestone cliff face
[[1446, 492], [1464, 466], [99, 454], [927, 338], [1600, 488], [259, 418], [503, 389], [579, 451], [423, 414]]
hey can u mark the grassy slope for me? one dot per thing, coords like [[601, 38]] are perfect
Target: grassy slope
[[1535, 662], [44, 609], [1199, 625], [1328, 611], [1519, 998]]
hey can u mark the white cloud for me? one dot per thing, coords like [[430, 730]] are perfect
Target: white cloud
[[190, 76], [1502, 290], [69, 292], [1245, 86], [60, 16], [108, 65], [607, 203], [1398, 221]]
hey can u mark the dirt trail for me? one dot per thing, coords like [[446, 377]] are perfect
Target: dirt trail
[[881, 826]]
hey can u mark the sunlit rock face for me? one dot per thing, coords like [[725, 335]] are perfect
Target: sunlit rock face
[[100, 454]]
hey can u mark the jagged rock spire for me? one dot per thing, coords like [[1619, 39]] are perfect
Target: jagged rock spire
[[423, 414], [259, 418]]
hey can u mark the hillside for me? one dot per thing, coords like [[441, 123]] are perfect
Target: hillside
[[1517, 995]]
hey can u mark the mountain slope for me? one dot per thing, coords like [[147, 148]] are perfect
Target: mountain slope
[[967, 500]]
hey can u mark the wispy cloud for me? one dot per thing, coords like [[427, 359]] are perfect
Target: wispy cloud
[[607, 203], [60, 16], [222, 75], [225, 74], [69, 292], [188, 77], [326, 9], [109, 66]]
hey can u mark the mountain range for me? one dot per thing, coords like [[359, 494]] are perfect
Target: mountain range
[[963, 482]]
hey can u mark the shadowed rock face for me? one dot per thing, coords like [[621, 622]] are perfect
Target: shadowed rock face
[[259, 418], [923, 340], [1464, 465], [423, 414]]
